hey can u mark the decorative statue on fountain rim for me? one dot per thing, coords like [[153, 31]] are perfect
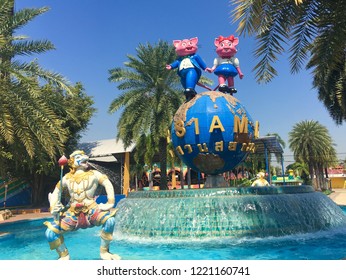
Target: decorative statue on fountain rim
[[82, 211]]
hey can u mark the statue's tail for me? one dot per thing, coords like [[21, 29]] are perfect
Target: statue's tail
[[204, 86]]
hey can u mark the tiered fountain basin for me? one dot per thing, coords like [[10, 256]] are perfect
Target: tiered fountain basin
[[227, 212]]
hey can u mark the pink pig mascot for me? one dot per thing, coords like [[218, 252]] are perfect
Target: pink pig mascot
[[188, 65], [226, 66]]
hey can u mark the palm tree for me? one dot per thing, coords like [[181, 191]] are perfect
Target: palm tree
[[27, 122], [37, 121], [311, 144], [143, 155], [150, 97], [316, 29]]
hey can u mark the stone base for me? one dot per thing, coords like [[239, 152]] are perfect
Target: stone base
[[5, 214], [215, 181]]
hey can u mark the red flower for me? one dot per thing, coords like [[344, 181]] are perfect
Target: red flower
[[62, 161]]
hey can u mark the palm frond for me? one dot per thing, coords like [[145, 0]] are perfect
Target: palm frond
[[24, 16], [30, 123], [20, 70], [245, 14], [317, 30], [303, 33], [30, 47]]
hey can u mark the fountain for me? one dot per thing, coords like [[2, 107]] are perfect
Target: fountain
[[112, 176], [212, 134], [227, 212], [214, 223]]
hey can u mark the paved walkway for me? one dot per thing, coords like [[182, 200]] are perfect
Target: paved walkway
[[26, 216], [339, 196]]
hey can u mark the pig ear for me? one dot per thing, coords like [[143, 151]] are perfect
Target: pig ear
[[216, 42], [176, 42], [194, 40], [235, 41]]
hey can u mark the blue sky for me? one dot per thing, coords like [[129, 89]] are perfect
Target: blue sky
[[92, 37]]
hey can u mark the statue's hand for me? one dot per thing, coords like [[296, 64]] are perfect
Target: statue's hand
[[57, 208], [241, 75], [105, 206]]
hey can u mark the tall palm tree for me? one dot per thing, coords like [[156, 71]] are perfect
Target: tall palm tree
[[311, 144], [316, 31], [27, 123], [150, 97]]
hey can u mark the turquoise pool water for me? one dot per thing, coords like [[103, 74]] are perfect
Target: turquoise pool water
[[26, 241]]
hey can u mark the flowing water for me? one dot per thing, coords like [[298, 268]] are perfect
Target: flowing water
[[227, 212], [112, 176], [26, 241], [281, 223]]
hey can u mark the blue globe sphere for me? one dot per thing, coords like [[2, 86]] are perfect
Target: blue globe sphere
[[213, 133]]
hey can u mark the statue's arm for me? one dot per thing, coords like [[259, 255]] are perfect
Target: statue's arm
[[106, 183], [55, 204]]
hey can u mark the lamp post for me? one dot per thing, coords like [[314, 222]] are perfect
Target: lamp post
[[6, 187], [62, 162]]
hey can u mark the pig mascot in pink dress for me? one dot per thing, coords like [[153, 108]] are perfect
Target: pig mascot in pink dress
[[226, 66], [189, 65]]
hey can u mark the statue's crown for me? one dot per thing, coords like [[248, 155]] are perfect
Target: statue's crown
[[78, 152]]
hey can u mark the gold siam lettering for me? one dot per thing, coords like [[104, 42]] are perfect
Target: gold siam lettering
[[256, 129], [195, 120], [204, 148], [248, 147], [240, 127], [216, 123], [243, 147], [232, 146], [188, 148], [179, 128], [252, 147], [219, 146], [179, 150]]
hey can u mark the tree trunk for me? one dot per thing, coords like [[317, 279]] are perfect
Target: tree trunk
[[38, 191], [329, 187], [314, 180], [318, 171], [182, 179], [323, 181], [163, 163]]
